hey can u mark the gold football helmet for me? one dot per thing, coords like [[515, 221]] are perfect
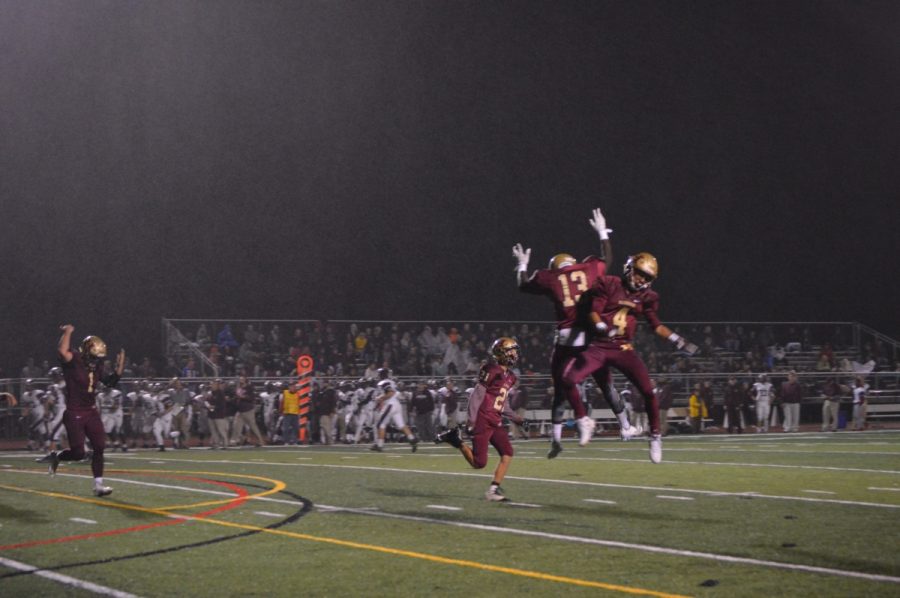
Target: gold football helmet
[[562, 260], [506, 351], [93, 347], [644, 265]]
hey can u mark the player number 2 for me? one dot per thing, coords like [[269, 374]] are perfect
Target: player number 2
[[578, 280], [501, 398], [620, 321]]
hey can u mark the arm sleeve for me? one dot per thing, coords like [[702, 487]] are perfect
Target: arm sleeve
[[650, 312], [475, 401], [535, 285]]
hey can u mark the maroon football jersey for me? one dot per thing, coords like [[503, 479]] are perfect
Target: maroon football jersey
[[620, 307], [81, 382], [488, 400], [565, 287]]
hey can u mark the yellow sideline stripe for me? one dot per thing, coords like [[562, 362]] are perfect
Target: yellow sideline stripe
[[372, 547]]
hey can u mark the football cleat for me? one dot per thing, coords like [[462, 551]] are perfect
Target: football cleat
[[450, 436], [102, 491], [630, 432], [52, 461], [376, 448], [506, 351], [495, 494], [586, 428], [644, 266], [555, 449], [656, 448], [415, 444]]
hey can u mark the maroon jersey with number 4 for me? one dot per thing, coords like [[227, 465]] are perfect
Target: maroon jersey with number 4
[[488, 402], [565, 287], [619, 308]]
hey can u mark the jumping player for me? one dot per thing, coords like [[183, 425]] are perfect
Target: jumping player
[[487, 406], [83, 371], [564, 283], [616, 303]]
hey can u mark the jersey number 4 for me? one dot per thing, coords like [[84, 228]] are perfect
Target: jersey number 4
[[578, 281]]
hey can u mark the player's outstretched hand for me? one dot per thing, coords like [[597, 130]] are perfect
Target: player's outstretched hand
[[521, 255], [67, 328], [691, 349], [598, 222]]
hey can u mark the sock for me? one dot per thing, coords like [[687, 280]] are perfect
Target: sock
[[623, 420], [557, 432], [380, 442], [98, 482], [495, 485]]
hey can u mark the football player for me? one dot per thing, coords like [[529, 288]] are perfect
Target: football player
[[33, 415], [564, 282], [55, 408], [616, 302], [83, 371], [112, 415], [487, 407], [165, 411], [389, 411], [364, 411], [763, 392]]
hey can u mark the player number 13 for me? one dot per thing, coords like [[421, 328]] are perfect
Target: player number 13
[[578, 280]]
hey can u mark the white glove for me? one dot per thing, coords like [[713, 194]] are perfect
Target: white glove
[[522, 255], [599, 224]]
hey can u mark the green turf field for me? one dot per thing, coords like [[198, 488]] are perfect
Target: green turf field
[[753, 515]]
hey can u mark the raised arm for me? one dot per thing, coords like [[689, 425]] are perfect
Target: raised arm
[[598, 223], [522, 256], [65, 341]]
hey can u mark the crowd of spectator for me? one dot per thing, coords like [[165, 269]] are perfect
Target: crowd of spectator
[[441, 349]]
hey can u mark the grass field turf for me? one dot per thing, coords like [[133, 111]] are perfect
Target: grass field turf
[[343, 521]]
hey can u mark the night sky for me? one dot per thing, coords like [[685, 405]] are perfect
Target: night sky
[[377, 160]]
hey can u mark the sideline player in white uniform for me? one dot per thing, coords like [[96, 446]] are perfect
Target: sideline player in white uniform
[[269, 398], [162, 426], [112, 415], [55, 405], [364, 410], [140, 407], [389, 411], [762, 394], [33, 404]]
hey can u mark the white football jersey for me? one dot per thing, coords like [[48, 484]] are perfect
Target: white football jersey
[[762, 391]]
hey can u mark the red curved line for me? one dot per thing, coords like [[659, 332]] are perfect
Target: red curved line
[[238, 500]]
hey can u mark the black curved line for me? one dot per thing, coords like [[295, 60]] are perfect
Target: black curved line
[[307, 507]]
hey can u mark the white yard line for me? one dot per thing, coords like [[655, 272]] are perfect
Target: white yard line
[[819, 491], [670, 497], [374, 512], [624, 545], [66, 580], [268, 514], [566, 482], [443, 507], [80, 520], [600, 501], [887, 489]]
